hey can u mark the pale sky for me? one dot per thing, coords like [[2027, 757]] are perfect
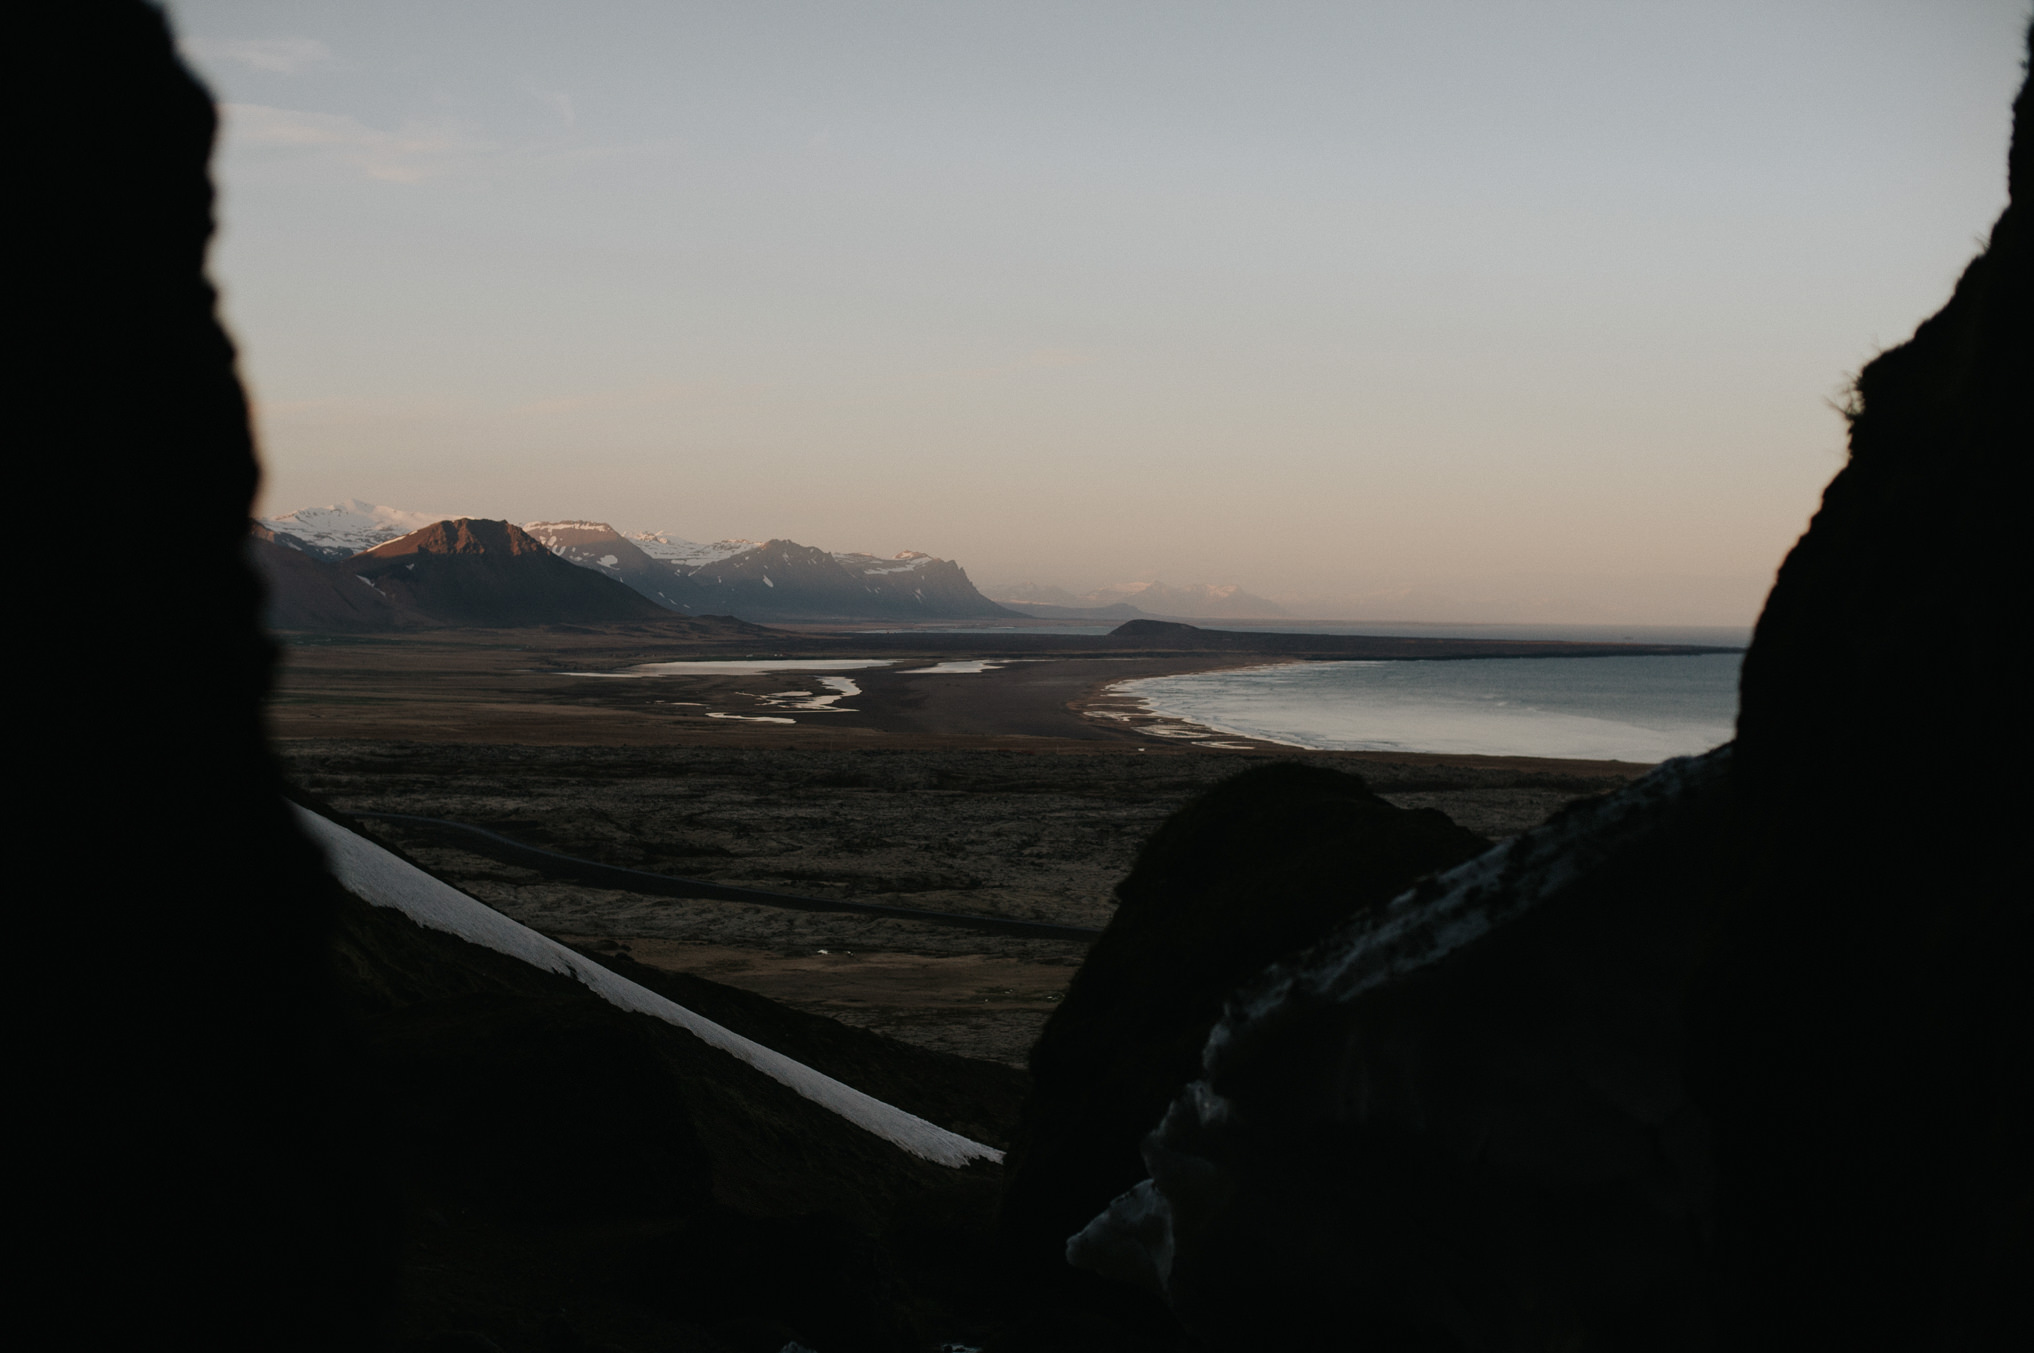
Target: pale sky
[[1443, 309]]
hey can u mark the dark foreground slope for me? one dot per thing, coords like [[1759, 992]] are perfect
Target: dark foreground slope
[[567, 1171]]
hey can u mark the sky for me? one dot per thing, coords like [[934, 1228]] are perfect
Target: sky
[[1445, 309]]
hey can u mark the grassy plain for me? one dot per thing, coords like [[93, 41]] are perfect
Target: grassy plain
[[1023, 791]]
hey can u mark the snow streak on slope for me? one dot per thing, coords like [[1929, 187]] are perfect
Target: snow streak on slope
[[384, 880]]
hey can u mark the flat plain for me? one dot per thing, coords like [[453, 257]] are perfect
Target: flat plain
[[1022, 791]]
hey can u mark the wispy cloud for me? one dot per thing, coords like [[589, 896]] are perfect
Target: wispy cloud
[[284, 56], [416, 152]]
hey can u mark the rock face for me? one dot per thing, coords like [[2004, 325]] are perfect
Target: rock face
[[469, 572], [186, 1092], [1259, 867], [1735, 1059]]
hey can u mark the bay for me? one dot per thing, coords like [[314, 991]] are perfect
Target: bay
[[1638, 709]]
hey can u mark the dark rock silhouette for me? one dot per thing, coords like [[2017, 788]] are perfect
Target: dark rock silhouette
[[1867, 1027], [493, 573], [1463, 1121], [1737, 1058], [1261, 866], [194, 1165], [245, 1099]]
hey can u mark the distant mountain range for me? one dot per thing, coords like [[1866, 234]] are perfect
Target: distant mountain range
[[771, 580], [360, 566]]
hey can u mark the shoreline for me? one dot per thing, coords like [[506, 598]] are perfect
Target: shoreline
[[513, 689], [1141, 714]]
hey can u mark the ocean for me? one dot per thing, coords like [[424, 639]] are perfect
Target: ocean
[[1641, 709]]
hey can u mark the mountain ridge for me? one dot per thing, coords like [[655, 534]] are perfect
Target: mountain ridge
[[772, 580]]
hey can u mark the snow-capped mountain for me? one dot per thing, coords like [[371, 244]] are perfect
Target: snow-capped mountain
[[771, 580], [345, 529]]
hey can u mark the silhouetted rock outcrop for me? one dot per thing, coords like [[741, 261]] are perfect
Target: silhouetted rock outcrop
[[470, 572], [195, 1165], [1737, 1058], [1867, 1024], [1261, 866]]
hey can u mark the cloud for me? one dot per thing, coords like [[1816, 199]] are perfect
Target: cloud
[[284, 56], [417, 152]]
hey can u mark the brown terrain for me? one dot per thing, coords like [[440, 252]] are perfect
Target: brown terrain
[[1021, 791]]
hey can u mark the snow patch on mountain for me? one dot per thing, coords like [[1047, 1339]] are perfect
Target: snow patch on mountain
[[907, 561], [685, 553]]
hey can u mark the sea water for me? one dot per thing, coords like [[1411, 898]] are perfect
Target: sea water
[[1642, 709]]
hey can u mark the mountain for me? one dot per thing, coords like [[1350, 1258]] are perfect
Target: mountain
[[913, 580], [1198, 601], [595, 545], [343, 530], [677, 550], [493, 573], [302, 591], [774, 580]]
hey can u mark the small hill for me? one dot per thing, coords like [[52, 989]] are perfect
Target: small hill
[[493, 573], [1198, 601]]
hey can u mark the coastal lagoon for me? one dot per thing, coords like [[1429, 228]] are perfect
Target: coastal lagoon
[[1641, 709]]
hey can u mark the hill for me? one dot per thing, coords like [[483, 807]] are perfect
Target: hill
[[1197, 601]]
